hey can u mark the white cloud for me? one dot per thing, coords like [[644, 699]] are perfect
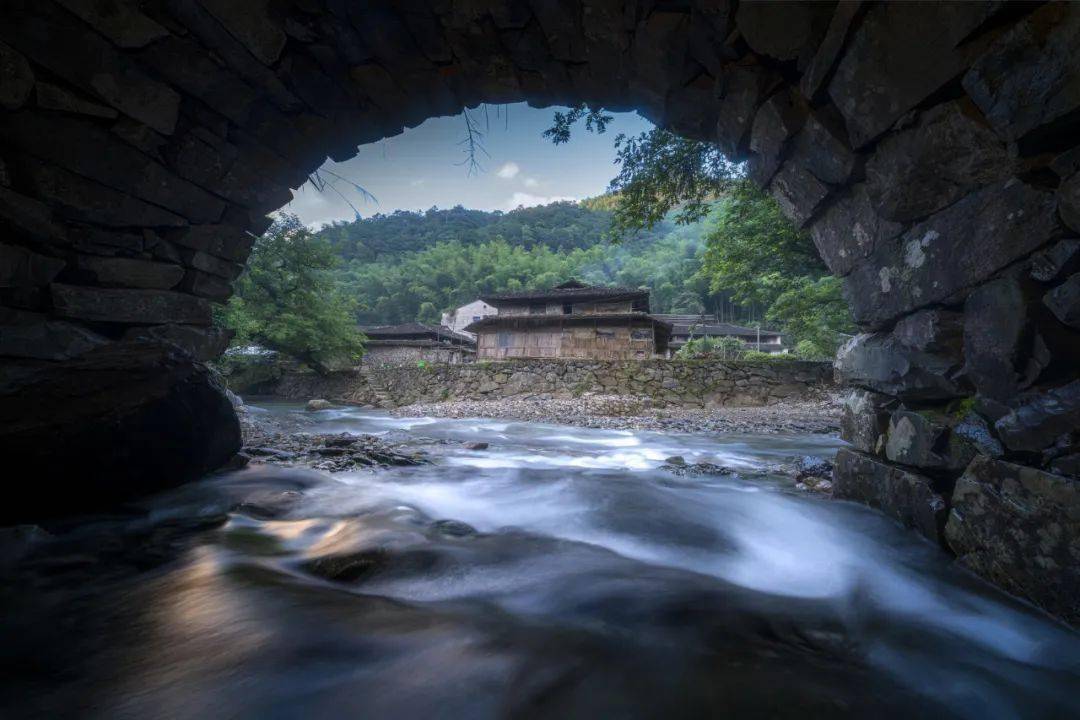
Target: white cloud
[[531, 182], [508, 171], [524, 199]]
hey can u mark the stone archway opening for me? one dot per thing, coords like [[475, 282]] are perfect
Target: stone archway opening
[[928, 148]]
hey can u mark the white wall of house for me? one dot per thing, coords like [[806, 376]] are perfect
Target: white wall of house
[[458, 319]]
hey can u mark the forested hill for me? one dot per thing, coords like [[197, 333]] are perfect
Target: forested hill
[[410, 266], [559, 226]]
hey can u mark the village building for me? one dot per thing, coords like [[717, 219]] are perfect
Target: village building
[[572, 320], [687, 327], [411, 343], [460, 318]]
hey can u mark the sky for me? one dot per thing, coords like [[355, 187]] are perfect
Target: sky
[[424, 167]]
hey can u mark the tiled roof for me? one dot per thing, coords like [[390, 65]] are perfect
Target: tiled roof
[[568, 292], [412, 330], [558, 319]]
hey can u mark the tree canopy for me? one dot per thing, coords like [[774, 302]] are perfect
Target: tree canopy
[[290, 299]]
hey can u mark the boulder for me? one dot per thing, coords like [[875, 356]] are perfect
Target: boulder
[[1039, 417], [819, 67], [319, 404], [925, 168], [1027, 79], [865, 420], [129, 306], [976, 431], [475, 445], [941, 258], [776, 120], [53, 97], [1020, 528], [799, 193], [741, 89], [920, 360], [1001, 356], [1064, 301], [786, 29], [926, 441], [115, 423], [821, 147], [849, 231], [905, 496]]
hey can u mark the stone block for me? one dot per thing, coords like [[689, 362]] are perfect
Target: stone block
[[38, 337], [202, 343], [206, 285], [1028, 78], [20, 267], [822, 149], [905, 496], [129, 272], [778, 118], [785, 29], [948, 153], [799, 193], [146, 307], [849, 231], [16, 78], [1039, 417], [121, 22], [1057, 260], [865, 420], [1019, 528], [926, 441], [921, 359], [943, 257], [824, 59], [900, 55], [1069, 201], [741, 89], [1064, 301], [53, 97], [1001, 350]]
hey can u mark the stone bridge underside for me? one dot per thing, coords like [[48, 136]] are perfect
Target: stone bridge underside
[[928, 148]]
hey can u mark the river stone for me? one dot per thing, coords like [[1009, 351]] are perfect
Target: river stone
[[1028, 77], [905, 496], [115, 423], [1039, 417], [920, 360], [923, 169], [1020, 528], [976, 431], [943, 257], [865, 420], [1064, 301], [136, 307], [927, 442]]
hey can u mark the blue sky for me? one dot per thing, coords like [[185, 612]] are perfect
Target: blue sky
[[422, 167]]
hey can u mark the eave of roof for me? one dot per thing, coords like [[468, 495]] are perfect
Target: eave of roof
[[595, 292], [574, 319]]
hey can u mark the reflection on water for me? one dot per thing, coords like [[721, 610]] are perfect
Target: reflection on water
[[557, 574]]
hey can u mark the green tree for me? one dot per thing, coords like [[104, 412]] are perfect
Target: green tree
[[290, 299]]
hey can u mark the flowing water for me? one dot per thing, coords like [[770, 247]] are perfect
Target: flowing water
[[558, 574]]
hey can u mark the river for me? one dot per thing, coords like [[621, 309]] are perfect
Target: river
[[557, 574]]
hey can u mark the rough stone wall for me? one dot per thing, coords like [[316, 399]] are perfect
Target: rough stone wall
[[410, 355], [689, 383], [929, 148]]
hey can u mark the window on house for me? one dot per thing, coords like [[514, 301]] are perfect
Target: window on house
[[476, 318], [538, 309], [567, 309], [641, 335], [605, 333]]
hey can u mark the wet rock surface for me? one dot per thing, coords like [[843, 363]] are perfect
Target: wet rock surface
[[1018, 527]]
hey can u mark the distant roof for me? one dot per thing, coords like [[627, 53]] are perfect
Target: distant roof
[[570, 290], [574, 319], [407, 331]]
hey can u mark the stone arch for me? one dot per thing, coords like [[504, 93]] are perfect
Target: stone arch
[[928, 148]]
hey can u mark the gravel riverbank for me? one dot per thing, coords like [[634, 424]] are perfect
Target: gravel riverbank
[[620, 412]]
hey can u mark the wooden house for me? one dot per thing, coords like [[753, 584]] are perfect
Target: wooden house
[[571, 320]]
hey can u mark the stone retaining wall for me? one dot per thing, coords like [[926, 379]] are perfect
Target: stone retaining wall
[[666, 382]]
